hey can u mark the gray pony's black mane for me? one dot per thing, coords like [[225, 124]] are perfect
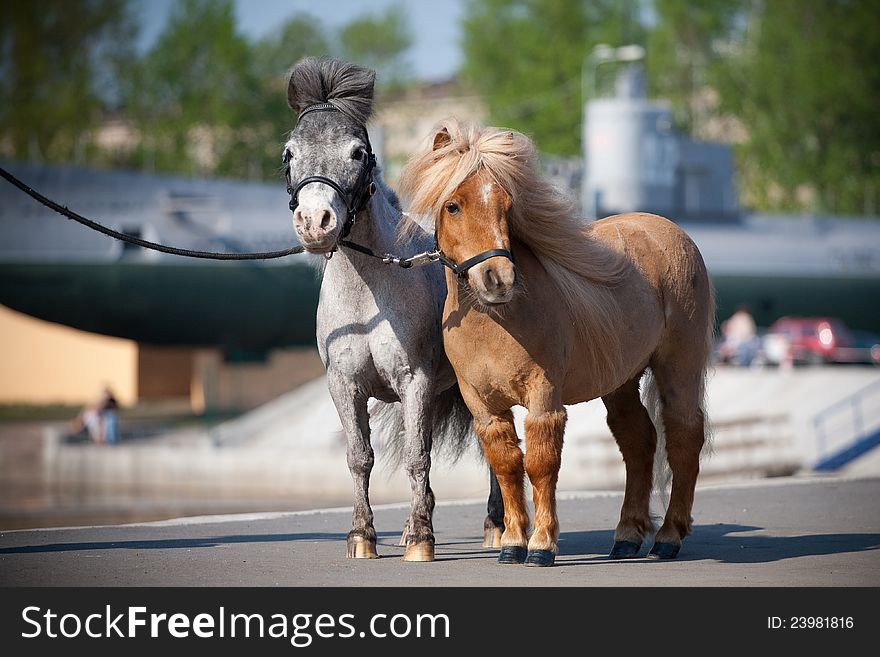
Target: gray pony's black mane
[[347, 86]]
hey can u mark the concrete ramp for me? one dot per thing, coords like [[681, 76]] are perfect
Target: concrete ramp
[[293, 447]]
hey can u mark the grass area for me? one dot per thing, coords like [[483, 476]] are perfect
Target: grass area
[[171, 414], [36, 412]]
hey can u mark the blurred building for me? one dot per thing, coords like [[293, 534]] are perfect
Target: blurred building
[[49, 363], [635, 161], [404, 119]]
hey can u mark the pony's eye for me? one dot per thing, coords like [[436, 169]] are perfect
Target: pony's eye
[[359, 154], [452, 208], [285, 159]]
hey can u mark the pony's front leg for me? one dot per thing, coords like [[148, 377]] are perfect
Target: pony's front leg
[[544, 434], [352, 408], [419, 531], [497, 435]]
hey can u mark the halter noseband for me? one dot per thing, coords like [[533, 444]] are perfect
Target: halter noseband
[[461, 269], [364, 188]]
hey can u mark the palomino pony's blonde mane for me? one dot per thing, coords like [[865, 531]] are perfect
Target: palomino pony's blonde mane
[[543, 218]]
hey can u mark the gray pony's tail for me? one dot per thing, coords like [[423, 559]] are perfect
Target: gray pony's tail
[[652, 403], [452, 428]]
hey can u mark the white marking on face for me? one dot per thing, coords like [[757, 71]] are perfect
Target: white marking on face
[[486, 192], [486, 196]]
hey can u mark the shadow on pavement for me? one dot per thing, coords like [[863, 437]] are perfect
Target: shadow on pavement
[[181, 543], [723, 543]]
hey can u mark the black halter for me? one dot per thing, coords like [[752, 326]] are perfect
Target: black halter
[[364, 188], [461, 269]]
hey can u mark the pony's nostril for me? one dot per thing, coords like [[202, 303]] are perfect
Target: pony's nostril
[[325, 219], [491, 279]]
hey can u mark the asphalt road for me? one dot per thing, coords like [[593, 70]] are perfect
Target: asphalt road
[[780, 532]]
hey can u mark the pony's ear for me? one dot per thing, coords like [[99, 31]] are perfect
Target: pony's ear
[[441, 139]]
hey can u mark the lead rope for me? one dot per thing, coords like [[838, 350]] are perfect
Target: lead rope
[[418, 260], [207, 255], [388, 258]]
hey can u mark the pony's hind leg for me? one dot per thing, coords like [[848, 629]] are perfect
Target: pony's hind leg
[[637, 439], [544, 435], [352, 408], [493, 526], [419, 530], [684, 425], [497, 435]]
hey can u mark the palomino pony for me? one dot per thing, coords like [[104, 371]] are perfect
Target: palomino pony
[[544, 310], [378, 326]]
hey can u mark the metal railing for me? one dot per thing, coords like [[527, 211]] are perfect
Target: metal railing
[[863, 437]]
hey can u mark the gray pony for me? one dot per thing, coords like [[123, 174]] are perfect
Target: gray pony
[[378, 325]]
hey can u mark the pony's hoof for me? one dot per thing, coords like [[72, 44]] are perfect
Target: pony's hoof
[[419, 552], [361, 548], [664, 551], [492, 537], [512, 554], [624, 550], [540, 558]]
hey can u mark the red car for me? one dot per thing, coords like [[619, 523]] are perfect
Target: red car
[[816, 340]]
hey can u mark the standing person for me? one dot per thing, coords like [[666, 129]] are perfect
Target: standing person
[[739, 333], [108, 408]]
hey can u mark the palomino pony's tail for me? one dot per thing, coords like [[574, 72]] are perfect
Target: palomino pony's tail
[[452, 428], [650, 395]]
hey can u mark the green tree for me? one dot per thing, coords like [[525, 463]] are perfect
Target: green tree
[[526, 57], [806, 86], [207, 100], [300, 36], [59, 61], [194, 94], [380, 42], [684, 51]]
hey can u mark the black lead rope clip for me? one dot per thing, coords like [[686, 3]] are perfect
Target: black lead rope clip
[[391, 259]]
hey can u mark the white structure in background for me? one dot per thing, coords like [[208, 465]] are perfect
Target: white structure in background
[[635, 161]]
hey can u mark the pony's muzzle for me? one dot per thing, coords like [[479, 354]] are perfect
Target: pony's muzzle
[[493, 280], [316, 227]]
